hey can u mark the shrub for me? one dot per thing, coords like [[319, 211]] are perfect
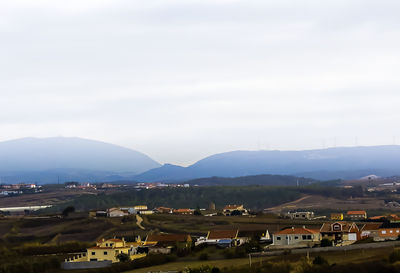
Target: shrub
[[318, 260], [326, 242], [122, 257]]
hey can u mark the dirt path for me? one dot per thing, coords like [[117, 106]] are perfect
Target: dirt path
[[139, 221], [289, 204]]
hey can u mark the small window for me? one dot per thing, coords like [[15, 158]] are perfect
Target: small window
[[93, 253], [111, 244], [105, 252], [391, 231], [296, 237], [278, 238], [383, 231], [304, 237], [106, 244], [309, 237]]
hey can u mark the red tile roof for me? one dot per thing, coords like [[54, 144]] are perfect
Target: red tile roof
[[356, 212], [230, 207], [183, 210], [297, 231], [222, 234], [371, 226]]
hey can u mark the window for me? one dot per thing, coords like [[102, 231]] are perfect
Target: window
[[278, 238], [383, 231], [336, 227], [105, 252], [111, 244], [106, 244], [308, 237], [296, 237], [391, 231], [304, 237], [93, 253]]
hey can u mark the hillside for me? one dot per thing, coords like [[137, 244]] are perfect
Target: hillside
[[44, 159], [263, 180], [325, 164]]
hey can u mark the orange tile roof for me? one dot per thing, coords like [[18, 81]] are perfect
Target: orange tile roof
[[107, 247], [183, 210], [232, 206], [376, 217], [222, 234], [356, 212], [297, 231], [114, 240], [371, 226]]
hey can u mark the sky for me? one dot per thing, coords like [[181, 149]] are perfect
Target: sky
[[183, 79]]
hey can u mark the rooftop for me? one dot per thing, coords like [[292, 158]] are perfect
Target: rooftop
[[294, 230]]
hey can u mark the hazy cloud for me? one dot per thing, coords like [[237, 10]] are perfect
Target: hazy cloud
[[179, 80]]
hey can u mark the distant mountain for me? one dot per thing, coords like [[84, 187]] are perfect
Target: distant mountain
[[325, 164], [46, 159]]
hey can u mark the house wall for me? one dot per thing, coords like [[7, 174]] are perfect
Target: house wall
[[106, 254], [295, 239]]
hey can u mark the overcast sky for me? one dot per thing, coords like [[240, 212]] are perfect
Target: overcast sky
[[180, 80]]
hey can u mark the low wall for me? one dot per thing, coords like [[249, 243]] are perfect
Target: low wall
[[328, 249], [83, 265]]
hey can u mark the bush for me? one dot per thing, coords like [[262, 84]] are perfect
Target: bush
[[326, 242], [318, 260], [68, 210], [122, 257]]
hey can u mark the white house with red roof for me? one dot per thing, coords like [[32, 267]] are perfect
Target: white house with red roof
[[296, 237]]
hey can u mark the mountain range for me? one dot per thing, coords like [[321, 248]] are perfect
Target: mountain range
[[323, 164], [49, 160]]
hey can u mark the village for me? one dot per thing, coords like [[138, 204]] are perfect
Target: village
[[339, 230]]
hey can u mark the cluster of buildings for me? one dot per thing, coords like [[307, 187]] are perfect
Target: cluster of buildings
[[330, 233], [162, 243], [353, 215], [82, 186], [228, 210], [337, 233], [159, 185], [14, 189]]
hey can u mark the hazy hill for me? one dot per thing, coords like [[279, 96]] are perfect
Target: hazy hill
[[332, 163], [264, 180], [74, 158]]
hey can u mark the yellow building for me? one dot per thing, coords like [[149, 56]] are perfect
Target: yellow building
[[337, 216], [108, 250], [140, 207]]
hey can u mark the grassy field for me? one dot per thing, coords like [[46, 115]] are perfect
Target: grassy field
[[339, 257], [200, 225]]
